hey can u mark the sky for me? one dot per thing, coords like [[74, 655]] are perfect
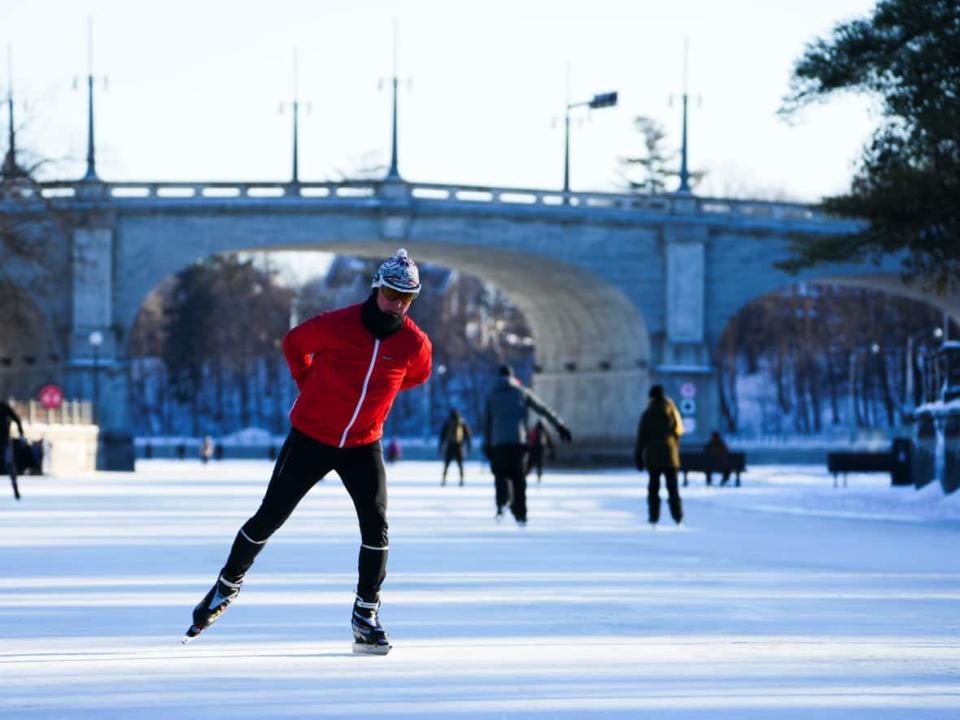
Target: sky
[[194, 89]]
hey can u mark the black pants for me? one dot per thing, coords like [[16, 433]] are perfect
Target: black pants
[[7, 450], [536, 460], [301, 464], [508, 463], [454, 452], [653, 494], [724, 481]]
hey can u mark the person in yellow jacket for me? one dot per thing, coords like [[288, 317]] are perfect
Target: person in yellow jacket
[[658, 450], [455, 437]]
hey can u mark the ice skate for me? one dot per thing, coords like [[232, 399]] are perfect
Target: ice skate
[[213, 605], [369, 637]]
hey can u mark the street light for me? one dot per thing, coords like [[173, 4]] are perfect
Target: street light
[[598, 101], [854, 354], [909, 391], [96, 340]]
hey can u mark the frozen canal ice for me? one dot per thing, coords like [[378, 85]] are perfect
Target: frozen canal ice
[[785, 598]]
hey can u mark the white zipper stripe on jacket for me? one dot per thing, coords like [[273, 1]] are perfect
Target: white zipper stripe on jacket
[[363, 392]]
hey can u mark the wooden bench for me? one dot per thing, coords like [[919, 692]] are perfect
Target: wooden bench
[[693, 461]]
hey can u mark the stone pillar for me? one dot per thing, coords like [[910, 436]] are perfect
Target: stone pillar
[[685, 368], [97, 372], [396, 210]]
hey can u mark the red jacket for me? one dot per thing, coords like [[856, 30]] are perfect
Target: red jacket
[[347, 378]]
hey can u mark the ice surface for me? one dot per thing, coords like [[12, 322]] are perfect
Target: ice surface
[[785, 598]]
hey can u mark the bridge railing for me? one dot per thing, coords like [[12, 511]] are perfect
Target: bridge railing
[[70, 412], [664, 204]]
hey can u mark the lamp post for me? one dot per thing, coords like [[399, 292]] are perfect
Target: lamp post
[[909, 380], [598, 101], [96, 340], [854, 355]]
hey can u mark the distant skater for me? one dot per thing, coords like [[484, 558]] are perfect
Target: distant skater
[[7, 454], [394, 452], [505, 439], [206, 449], [454, 443], [539, 444], [349, 364], [658, 449]]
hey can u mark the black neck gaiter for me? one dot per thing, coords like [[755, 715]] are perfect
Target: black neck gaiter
[[379, 323]]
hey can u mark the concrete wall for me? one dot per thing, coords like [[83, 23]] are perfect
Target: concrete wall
[[68, 449]]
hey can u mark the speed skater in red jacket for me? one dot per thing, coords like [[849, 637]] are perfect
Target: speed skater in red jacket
[[349, 364]]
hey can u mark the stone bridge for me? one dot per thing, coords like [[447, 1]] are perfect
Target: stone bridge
[[619, 290]]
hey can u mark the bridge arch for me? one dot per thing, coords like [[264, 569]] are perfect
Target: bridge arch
[[592, 343], [842, 355]]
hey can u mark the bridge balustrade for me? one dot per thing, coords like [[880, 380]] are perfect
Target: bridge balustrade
[[70, 412], [666, 204]]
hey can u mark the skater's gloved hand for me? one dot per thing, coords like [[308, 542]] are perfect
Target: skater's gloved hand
[[486, 451], [564, 432]]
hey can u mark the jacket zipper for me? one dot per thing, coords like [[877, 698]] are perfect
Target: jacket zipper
[[363, 393]]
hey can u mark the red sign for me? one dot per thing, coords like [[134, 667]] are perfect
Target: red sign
[[51, 396], [688, 390]]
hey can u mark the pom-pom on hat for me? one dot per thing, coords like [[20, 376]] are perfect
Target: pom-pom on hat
[[398, 272]]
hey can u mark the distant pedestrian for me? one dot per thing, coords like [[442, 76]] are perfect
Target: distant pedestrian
[[7, 455], [717, 455], [658, 449], [394, 452], [539, 443], [454, 443], [505, 439], [206, 449]]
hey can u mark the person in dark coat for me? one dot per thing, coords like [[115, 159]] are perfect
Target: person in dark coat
[[8, 415], [454, 443], [716, 450], [505, 439], [539, 442], [658, 449]]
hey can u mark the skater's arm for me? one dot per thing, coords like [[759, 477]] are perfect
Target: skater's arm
[[487, 429], [15, 418], [299, 346], [419, 369], [639, 445], [547, 412]]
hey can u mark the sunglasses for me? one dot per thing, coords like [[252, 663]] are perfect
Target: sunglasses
[[393, 295]]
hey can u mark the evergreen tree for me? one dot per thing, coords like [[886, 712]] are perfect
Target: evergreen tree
[[907, 54]]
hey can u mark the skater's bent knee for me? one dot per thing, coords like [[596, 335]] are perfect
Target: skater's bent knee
[[252, 535]]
